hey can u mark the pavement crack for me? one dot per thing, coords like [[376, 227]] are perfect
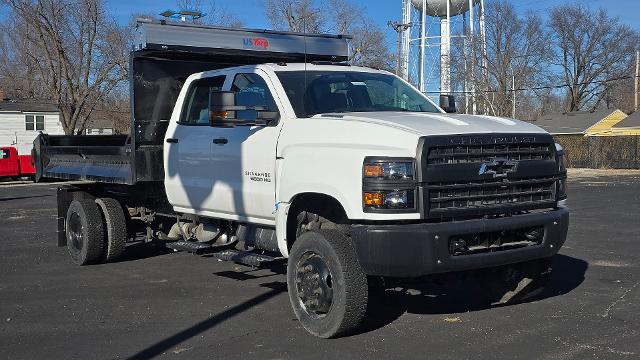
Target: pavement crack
[[614, 303]]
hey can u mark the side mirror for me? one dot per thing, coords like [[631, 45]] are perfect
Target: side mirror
[[223, 111], [222, 106], [448, 103]]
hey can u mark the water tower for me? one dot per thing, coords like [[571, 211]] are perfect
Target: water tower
[[435, 25]]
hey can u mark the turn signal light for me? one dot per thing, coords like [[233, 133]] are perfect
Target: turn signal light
[[218, 114], [373, 199], [373, 170]]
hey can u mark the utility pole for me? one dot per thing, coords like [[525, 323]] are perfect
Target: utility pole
[[399, 28], [636, 82]]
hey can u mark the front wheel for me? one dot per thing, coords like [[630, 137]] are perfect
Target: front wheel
[[327, 287]]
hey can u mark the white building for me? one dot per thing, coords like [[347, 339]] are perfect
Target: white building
[[22, 120]]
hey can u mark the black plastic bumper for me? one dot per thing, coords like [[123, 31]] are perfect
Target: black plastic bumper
[[413, 250]]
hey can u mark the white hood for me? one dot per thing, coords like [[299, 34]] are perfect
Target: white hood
[[440, 124]]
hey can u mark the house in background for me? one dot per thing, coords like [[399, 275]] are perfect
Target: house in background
[[629, 126], [22, 120], [597, 123], [103, 122], [99, 127]]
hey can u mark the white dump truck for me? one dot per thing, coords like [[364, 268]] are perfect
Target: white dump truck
[[258, 145]]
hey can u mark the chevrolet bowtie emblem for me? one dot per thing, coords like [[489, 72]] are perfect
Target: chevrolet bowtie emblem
[[498, 167]]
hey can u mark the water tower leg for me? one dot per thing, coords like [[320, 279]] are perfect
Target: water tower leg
[[465, 63], [483, 47], [445, 52], [472, 59], [423, 29]]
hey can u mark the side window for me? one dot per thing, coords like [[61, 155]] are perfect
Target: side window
[[29, 122], [252, 90], [4, 154], [196, 108]]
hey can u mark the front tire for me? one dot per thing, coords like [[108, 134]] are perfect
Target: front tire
[[85, 233], [327, 287]]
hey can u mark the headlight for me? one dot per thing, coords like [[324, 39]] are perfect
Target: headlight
[[388, 170], [388, 185]]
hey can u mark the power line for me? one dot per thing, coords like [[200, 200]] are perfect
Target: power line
[[546, 87]]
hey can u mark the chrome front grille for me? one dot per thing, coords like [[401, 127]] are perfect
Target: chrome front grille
[[464, 154], [484, 196]]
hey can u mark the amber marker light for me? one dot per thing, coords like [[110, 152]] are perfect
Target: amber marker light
[[373, 170], [218, 114], [373, 199]]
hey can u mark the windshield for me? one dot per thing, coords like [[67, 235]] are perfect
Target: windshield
[[320, 92]]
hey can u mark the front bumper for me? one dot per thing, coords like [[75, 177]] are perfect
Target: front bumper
[[413, 250]]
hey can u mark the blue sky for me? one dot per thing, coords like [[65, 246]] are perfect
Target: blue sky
[[252, 12]]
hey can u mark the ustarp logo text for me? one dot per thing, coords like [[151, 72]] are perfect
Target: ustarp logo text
[[256, 42]]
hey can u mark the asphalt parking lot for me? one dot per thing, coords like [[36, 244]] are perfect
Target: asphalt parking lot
[[177, 305]]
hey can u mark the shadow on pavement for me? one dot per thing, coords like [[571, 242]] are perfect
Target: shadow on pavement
[[463, 295], [168, 343], [23, 197], [141, 250], [388, 304]]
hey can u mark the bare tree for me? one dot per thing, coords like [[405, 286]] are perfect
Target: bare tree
[[71, 50], [517, 48], [594, 50], [295, 15], [368, 45]]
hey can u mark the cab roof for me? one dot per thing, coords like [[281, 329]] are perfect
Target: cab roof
[[317, 67]]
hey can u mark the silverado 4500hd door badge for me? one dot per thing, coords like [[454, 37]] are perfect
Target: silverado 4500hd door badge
[[258, 176], [498, 167]]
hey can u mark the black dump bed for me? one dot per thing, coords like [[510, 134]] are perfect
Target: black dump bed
[[164, 55]]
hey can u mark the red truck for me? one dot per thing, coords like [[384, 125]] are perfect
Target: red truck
[[13, 165]]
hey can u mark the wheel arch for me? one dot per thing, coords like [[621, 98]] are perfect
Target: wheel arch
[[323, 205]]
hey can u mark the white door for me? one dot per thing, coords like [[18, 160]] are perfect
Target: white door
[[189, 174], [244, 157]]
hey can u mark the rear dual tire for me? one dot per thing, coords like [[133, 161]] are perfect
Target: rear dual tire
[[96, 231], [85, 232], [115, 228]]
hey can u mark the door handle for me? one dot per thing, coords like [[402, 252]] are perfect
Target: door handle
[[172, 140], [220, 141]]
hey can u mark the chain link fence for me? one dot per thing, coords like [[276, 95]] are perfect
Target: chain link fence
[[601, 152]]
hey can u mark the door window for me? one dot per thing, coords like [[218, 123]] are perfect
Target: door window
[[196, 109], [4, 154], [252, 90]]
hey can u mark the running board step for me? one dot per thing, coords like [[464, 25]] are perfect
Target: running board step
[[190, 246], [244, 257]]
